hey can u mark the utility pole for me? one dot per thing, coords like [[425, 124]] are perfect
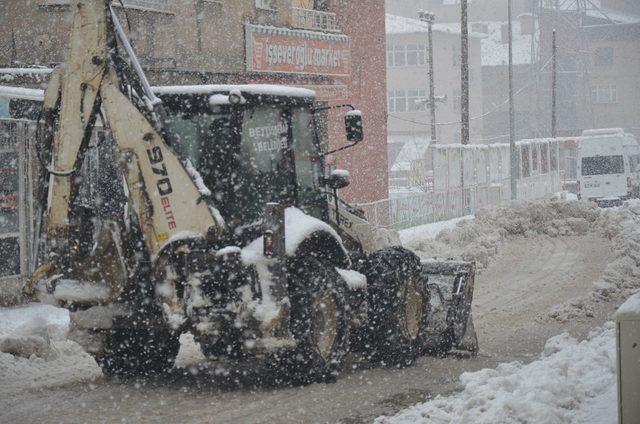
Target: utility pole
[[554, 87], [512, 124], [430, 18], [464, 107], [464, 72]]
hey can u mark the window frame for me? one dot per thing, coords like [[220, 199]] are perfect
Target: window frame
[[604, 94]]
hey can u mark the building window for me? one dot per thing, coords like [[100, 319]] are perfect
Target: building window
[[416, 100], [399, 101], [406, 55], [266, 4], [399, 56], [406, 100], [604, 56], [604, 94], [415, 55]]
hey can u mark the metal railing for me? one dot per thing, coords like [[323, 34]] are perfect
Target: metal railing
[[412, 209], [467, 178], [164, 6], [314, 20]]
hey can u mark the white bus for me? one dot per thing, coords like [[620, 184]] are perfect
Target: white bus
[[608, 166]]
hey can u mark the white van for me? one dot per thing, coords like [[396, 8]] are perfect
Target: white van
[[608, 166]]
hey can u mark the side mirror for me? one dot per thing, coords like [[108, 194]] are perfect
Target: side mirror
[[353, 126], [339, 179]]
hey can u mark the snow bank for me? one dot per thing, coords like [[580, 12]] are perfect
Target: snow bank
[[479, 239], [35, 352], [621, 277], [429, 231], [571, 382]]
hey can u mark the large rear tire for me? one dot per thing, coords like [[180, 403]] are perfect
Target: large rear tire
[[319, 322], [398, 306]]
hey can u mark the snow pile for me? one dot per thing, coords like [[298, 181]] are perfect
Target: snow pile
[[479, 239], [621, 277], [429, 231], [571, 382], [35, 352]]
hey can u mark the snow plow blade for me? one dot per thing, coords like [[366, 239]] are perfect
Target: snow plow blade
[[451, 285]]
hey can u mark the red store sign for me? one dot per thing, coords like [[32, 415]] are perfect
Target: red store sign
[[282, 50]]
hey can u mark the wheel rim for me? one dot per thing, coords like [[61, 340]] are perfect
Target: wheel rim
[[412, 310], [326, 323]]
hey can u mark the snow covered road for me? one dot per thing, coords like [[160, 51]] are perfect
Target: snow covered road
[[525, 279]]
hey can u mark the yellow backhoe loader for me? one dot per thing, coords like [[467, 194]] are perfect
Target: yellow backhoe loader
[[212, 211]]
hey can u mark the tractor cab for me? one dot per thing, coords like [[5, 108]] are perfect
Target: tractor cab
[[253, 145]]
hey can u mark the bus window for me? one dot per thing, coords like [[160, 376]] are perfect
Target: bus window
[[4, 107], [544, 158], [526, 170], [553, 156], [603, 165]]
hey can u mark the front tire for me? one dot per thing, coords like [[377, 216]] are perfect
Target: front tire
[[399, 306]]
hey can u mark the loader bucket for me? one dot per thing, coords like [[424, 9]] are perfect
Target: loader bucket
[[451, 285]]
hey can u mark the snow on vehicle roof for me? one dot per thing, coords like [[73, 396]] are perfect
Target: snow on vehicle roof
[[253, 89], [603, 131], [25, 71], [402, 25], [21, 93]]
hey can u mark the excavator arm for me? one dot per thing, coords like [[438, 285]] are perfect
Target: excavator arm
[[163, 188]]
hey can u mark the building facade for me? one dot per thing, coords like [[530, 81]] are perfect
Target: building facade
[[526, 85], [408, 89], [610, 93], [319, 44], [598, 58]]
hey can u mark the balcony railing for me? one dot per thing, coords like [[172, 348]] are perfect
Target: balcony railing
[[314, 20], [163, 6]]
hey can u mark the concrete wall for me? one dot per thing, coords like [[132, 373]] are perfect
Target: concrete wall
[[367, 87]]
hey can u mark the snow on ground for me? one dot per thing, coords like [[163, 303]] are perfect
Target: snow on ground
[[481, 238], [571, 382], [35, 352]]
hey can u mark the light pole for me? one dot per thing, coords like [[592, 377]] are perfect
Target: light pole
[[554, 87]]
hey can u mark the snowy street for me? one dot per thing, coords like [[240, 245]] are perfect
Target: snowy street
[[532, 289], [320, 211]]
